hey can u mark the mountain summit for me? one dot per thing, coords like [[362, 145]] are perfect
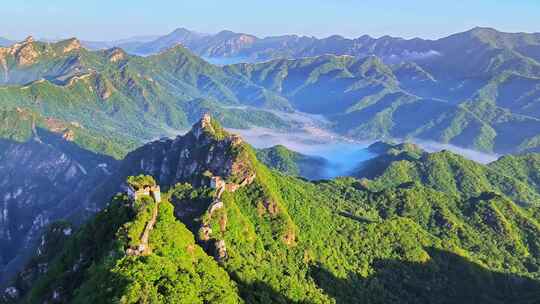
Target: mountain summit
[[207, 147], [201, 220]]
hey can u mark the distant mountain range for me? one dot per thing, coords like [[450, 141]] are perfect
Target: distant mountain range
[[127, 43], [249, 48], [390, 49], [479, 89]]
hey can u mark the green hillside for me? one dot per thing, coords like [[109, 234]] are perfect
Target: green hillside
[[525, 168], [488, 101], [448, 173], [265, 237], [21, 125], [293, 163], [112, 92], [368, 99]]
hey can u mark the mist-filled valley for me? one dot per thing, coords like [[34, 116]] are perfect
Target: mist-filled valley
[[227, 167], [313, 137]]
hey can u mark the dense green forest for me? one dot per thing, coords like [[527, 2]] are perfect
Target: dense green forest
[[489, 103], [236, 224], [293, 163], [416, 228]]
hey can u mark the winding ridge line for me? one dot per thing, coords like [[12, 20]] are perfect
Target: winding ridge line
[[143, 247]]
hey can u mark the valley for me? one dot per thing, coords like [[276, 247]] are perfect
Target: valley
[[450, 225], [490, 107], [292, 169]]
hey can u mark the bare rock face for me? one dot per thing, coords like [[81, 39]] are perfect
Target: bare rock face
[[29, 39], [230, 44], [11, 293], [116, 54], [205, 233], [18, 62], [71, 45], [25, 53], [44, 180], [206, 148], [221, 250], [104, 89], [63, 128], [3, 64], [215, 206], [289, 238], [205, 124], [271, 207], [223, 220], [69, 135]]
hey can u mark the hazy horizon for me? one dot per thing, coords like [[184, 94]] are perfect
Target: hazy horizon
[[106, 21], [155, 36]]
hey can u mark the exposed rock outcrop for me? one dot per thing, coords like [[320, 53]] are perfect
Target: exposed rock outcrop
[[116, 54], [206, 148], [71, 45], [104, 88], [25, 52], [69, 135], [43, 180], [220, 250], [205, 233]]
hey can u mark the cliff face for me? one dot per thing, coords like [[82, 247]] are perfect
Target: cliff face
[[43, 180], [277, 239], [206, 148], [211, 184], [17, 61], [50, 178]]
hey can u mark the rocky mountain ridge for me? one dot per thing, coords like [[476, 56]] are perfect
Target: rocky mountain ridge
[[205, 148], [277, 238], [44, 180], [480, 106], [391, 49]]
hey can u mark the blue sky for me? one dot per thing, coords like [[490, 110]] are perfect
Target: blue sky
[[114, 19]]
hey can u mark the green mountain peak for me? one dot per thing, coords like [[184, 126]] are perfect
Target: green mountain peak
[[211, 127], [217, 235]]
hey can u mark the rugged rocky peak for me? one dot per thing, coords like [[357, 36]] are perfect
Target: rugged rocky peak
[[207, 129], [25, 52], [204, 125], [28, 40], [29, 50], [208, 147], [247, 39], [70, 45], [116, 54], [207, 150]]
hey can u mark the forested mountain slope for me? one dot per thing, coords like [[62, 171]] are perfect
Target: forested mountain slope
[[255, 235], [293, 163], [449, 173], [111, 91], [486, 101]]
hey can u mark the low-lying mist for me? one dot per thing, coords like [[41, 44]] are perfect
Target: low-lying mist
[[343, 155], [477, 156]]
